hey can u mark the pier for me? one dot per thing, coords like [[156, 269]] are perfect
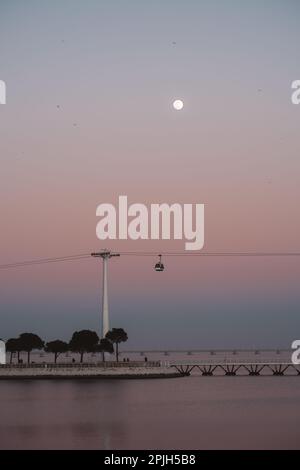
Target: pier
[[231, 369]]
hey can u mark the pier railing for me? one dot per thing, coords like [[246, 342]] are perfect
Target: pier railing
[[83, 365]]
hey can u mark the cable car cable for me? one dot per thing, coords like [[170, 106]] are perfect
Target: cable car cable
[[78, 257]]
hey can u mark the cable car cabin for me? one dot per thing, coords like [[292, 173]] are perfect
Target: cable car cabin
[[159, 266]]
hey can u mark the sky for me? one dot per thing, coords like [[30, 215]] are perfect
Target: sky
[[89, 117]]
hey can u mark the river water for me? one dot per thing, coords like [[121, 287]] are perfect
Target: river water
[[182, 413]]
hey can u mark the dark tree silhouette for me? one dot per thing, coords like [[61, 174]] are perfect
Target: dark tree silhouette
[[56, 347], [29, 342], [117, 336], [83, 341], [105, 346], [13, 345], [19, 348]]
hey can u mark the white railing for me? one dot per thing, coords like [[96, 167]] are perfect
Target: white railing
[[82, 365]]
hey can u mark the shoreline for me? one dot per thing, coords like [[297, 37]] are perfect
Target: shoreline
[[92, 377]]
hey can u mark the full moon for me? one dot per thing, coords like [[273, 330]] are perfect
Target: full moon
[[178, 105]]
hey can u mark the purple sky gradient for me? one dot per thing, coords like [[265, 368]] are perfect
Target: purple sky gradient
[[113, 70]]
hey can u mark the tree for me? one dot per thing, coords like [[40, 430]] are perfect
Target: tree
[[117, 336], [29, 342], [105, 346], [56, 347], [12, 346], [83, 341], [19, 348]]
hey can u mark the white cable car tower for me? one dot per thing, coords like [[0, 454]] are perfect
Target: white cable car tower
[[105, 255]]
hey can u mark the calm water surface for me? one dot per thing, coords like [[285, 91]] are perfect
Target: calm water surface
[[183, 413]]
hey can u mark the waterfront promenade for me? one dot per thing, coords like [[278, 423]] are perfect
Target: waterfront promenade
[[95, 370], [142, 369]]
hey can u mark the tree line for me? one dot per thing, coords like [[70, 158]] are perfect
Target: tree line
[[84, 341]]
